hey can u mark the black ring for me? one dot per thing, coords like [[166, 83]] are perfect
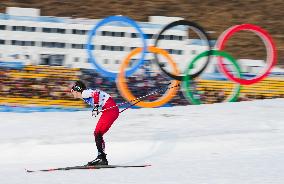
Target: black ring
[[200, 31]]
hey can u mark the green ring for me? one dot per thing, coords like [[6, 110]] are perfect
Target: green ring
[[187, 79]]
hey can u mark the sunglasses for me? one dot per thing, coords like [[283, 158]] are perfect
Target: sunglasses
[[76, 88]]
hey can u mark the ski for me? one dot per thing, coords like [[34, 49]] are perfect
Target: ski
[[86, 167]]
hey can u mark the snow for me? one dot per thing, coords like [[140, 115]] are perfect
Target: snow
[[229, 143]]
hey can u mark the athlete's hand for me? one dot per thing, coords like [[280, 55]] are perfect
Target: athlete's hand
[[95, 110]]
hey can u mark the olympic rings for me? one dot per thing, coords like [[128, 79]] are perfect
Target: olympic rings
[[187, 81], [186, 77], [92, 33], [266, 38], [122, 85], [201, 33]]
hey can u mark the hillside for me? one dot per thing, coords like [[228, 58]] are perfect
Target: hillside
[[214, 15]]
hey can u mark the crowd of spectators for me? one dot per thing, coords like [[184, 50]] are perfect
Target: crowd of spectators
[[139, 85], [45, 88], [58, 87]]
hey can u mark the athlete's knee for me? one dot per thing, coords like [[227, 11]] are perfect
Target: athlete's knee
[[98, 134]]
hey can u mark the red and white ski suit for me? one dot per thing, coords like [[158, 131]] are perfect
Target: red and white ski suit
[[104, 100]]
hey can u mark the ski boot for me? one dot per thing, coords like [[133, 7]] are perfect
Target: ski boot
[[100, 160]]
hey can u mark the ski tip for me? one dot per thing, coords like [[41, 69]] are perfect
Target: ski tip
[[29, 171]]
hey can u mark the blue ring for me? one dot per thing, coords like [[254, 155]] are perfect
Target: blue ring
[[93, 33]]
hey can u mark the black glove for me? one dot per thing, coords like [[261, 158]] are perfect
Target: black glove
[[95, 110]]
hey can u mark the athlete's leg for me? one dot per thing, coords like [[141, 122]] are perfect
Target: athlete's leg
[[102, 127], [105, 122], [99, 143]]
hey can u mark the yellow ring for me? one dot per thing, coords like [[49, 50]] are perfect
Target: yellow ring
[[122, 84]]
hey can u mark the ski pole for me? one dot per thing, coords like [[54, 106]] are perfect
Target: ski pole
[[158, 90], [138, 98]]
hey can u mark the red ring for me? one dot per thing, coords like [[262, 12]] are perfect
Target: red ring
[[270, 47]]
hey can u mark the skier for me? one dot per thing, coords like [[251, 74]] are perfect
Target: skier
[[98, 99]]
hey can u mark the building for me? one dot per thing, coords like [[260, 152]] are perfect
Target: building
[[27, 36]]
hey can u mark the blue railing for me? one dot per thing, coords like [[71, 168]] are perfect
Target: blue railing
[[12, 64]]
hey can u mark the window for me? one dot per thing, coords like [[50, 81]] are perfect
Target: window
[[17, 42], [169, 51], [23, 28], [16, 28], [29, 43], [149, 36], [61, 31], [80, 32], [53, 44], [78, 46], [105, 61], [122, 34], [117, 48], [46, 30], [59, 45], [134, 35], [193, 52], [92, 47], [108, 47], [76, 59], [175, 37], [103, 33], [2, 27], [112, 48], [57, 60], [113, 34], [116, 61], [180, 52], [30, 29], [107, 33], [162, 37], [2, 42], [118, 34], [44, 59], [16, 56], [53, 30], [167, 37]]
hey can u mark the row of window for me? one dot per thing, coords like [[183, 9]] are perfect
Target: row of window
[[110, 61], [44, 44], [80, 46], [162, 37], [85, 32], [137, 35]]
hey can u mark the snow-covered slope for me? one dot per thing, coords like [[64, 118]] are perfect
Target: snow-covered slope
[[230, 143]]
